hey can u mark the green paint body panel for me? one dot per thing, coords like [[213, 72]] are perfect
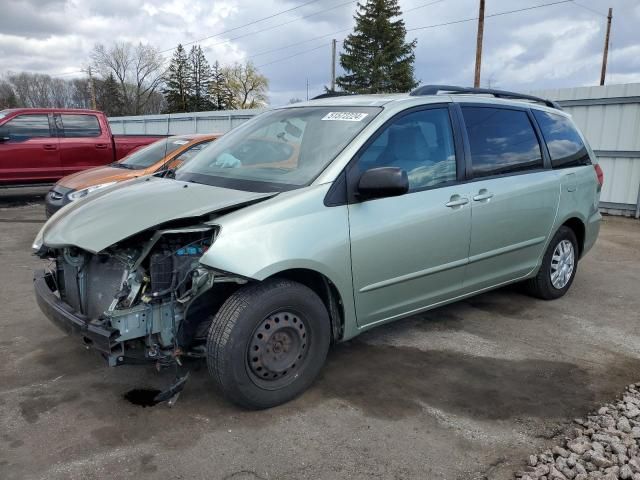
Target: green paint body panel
[[388, 258]]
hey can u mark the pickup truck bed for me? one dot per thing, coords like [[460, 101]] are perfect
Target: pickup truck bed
[[40, 146]]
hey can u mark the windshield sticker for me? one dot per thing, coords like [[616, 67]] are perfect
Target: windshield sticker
[[180, 142], [345, 116]]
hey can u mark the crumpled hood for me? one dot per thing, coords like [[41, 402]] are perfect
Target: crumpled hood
[[115, 213]]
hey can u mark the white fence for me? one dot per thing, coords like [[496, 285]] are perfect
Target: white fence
[[180, 123], [609, 116]]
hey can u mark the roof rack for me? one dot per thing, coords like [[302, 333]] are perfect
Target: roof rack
[[331, 94], [435, 89]]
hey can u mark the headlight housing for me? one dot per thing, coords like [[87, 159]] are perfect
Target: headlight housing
[[38, 241], [86, 191]]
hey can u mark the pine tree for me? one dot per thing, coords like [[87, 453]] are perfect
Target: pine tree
[[178, 82], [200, 71], [219, 92], [109, 96], [376, 58]]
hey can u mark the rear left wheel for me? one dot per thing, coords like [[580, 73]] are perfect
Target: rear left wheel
[[559, 266], [268, 342]]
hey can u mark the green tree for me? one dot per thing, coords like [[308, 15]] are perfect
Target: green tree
[[247, 86], [376, 58], [178, 82], [200, 72], [109, 97], [219, 93]]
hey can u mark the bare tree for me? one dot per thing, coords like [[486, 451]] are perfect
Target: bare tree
[[138, 70], [8, 98], [247, 86]]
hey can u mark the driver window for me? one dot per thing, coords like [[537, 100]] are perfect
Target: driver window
[[421, 143]]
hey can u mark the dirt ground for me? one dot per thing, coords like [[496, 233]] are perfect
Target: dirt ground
[[466, 391]]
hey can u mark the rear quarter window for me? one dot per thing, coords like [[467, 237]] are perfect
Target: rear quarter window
[[565, 145], [75, 125]]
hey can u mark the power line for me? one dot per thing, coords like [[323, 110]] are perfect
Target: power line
[[454, 22], [488, 16], [272, 28], [284, 23], [297, 43], [291, 56], [589, 9], [245, 25], [329, 34], [429, 26]]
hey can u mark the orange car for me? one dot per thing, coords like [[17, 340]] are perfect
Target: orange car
[[166, 153]]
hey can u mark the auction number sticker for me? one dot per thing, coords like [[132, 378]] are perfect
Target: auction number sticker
[[345, 116]]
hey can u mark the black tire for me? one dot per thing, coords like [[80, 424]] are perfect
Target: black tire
[[541, 285], [259, 310]]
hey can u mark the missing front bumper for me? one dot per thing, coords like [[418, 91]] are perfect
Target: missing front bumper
[[64, 317]]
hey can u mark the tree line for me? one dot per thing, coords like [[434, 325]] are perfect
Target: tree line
[[192, 84], [127, 79]]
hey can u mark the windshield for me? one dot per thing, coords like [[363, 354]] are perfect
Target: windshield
[[278, 150], [151, 154]]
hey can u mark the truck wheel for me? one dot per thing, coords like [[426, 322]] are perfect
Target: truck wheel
[[558, 269], [268, 342]]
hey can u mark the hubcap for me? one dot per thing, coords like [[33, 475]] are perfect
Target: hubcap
[[278, 348], [562, 264]]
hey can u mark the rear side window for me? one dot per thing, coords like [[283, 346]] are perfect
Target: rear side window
[[80, 125], [502, 141], [421, 143], [566, 148], [27, 126]]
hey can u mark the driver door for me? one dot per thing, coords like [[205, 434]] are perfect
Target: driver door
[[409, 252]]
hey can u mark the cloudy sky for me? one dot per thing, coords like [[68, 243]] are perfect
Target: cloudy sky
[[553, 46]]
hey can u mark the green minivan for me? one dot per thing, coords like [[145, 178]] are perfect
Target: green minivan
[[312, 223]]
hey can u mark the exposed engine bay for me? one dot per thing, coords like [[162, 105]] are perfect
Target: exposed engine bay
[[149, 292]]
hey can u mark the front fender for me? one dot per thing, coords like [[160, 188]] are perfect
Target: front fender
[[293, 230]]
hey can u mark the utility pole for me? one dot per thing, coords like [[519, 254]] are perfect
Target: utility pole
[[476, 79], [307, 88], [333, 65], [603, 72], [92, 90]]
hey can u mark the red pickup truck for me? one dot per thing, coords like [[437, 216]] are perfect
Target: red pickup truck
[[42, 145]]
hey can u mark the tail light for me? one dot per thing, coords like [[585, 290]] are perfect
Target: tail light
[[599, 174]]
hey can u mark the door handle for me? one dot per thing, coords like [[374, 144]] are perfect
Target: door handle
[[456, 201], [483, 195], [50, 147], [101, 145]]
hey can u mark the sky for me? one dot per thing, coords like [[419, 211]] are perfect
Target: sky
[[548, 47]]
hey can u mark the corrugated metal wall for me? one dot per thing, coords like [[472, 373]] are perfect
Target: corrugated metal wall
[[177, 123], [609, 117]]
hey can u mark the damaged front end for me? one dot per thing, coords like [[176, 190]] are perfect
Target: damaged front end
[[146, 298]]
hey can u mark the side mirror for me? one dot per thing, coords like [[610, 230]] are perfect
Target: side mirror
[[383, 182]]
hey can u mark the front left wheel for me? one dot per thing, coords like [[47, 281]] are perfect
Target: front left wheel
[[268, 342]]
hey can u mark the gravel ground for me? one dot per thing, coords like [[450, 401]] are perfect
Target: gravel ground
[[464, 392], [604, 445]]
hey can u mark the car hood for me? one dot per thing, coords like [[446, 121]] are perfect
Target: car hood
[[97, 175], [110, 215]]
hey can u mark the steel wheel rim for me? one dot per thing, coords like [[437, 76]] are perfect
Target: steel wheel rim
[[562, 264], [278, 349]]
